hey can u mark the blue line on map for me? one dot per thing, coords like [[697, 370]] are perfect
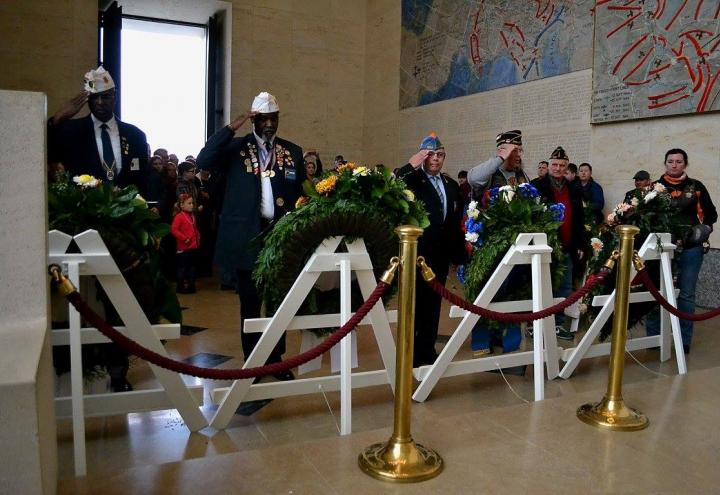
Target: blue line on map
[[537, 40]]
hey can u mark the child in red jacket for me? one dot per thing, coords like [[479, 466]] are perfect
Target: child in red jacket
[[187, 239]]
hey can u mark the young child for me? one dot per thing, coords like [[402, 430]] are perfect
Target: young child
[[187, 239]]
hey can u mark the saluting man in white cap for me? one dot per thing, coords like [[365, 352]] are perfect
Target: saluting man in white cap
[[99, 144], [264, 176]]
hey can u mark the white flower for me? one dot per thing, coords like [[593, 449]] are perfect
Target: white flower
[[471, 237], [611, 218], [508, 192], [597, 244], [361, 171], [659, 187], [650, 196], [634, 201], [85, 181], [473, 211]]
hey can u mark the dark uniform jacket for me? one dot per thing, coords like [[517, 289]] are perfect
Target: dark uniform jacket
[[238, 160], [72, 143], [443, 241], [578, 239]]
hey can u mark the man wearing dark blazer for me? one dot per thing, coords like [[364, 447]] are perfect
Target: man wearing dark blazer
[[441, 243], [112, 151], [99, 144], [263, 179]]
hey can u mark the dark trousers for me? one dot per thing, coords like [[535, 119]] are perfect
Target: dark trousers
[[427, 314], [250, 304], [185, 262]]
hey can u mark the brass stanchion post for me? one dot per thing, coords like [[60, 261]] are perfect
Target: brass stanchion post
[[611, 412], [400, 459]]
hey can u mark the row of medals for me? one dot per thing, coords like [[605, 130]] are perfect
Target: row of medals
[[264, 173]]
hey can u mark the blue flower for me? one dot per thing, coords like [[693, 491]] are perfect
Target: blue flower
[[494, 192], [473, 226], [527, 190], [461, 274], [558, 211]]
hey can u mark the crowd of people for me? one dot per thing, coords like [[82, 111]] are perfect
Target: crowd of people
[[240, 185]]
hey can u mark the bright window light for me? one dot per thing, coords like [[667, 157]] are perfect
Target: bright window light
[[163, 84]]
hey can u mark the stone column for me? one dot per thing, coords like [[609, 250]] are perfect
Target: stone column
[[28, 456]]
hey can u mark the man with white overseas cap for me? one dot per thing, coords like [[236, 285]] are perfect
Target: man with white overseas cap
[[99, 144], [263, 179], [114, 152]]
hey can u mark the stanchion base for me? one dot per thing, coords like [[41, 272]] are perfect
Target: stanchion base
[[612, 415], [400, 462]]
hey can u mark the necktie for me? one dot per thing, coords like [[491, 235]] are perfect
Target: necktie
[[108, 155], [436, 182], [268, 146]]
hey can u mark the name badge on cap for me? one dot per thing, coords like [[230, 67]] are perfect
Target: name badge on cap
[[290, 174], [135, 164]]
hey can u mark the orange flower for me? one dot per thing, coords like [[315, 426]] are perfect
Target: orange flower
[[327, 185], [345, 166], [302, 200]]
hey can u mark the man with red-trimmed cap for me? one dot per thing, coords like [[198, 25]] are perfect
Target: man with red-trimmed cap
[[441, 243]]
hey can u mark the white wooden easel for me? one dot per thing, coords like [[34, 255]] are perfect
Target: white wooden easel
[[529, 249], [325, 259], [95, 259], [655, 247]]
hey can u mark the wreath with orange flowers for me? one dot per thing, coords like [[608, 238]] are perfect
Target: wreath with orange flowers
[[351, 201]]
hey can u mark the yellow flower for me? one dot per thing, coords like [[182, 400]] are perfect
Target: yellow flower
[[345, 166], [327, 185], [360, 171], [409, 195], [302, 200], [85, 180]]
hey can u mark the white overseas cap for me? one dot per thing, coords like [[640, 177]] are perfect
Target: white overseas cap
[[98, 80], [265, 103]]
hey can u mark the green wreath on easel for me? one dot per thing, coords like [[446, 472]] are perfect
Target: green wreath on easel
[[351, 201]]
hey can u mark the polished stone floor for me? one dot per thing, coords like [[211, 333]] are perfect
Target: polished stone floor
[[492, 441]]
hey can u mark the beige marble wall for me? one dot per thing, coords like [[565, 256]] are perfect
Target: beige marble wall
[[310, 55], [28, 457], [47, 46], [382, 84]]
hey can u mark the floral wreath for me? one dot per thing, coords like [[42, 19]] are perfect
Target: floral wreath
[[352, 201], [490, 232]]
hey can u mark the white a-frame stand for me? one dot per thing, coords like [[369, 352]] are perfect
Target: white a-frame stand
[[95, 259], [529, 249], [325, 259], [655, 247]]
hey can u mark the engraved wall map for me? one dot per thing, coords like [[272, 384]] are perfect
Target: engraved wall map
[[454, 48], [655, 57]]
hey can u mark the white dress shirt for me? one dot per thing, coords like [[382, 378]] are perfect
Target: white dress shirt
[[114, 133]]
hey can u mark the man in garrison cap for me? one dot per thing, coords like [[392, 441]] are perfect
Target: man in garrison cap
[[442, 242], [554, 188], [263, 179], [115, 152], [505, 168], [99, 144]]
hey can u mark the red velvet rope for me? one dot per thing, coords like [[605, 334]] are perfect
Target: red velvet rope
[[133, 347], [592, 281], [644, 277]]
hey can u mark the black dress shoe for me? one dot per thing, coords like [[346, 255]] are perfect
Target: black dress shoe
[[284, 376], [120, 385]]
